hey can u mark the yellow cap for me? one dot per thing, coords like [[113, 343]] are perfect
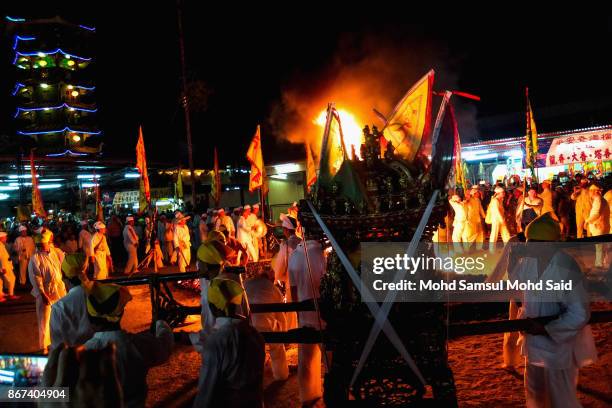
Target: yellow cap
[[107, 301], [223, 292], [73, 264], [543, 228]]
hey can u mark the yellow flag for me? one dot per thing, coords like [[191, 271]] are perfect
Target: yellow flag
[[311, 171], [141, 165], [215, 188], [531, 137], [255, 157], [38, 207], [409, 122], [179, 184]]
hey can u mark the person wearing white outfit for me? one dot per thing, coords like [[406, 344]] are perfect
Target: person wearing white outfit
[[252, 221], [598, 221], [459, 219], [245, 235], [85, 239], [7, 276], [23, 247], [309, 355], [226, 221], [182, 241], [554, 351], [48, 287], [280, 262], [474, 215], [100, 252], [495, 216], [130, 242]]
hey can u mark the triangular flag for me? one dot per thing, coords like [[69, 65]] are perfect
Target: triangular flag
[[333, 152], [311, 170], [38, 207], [531, 136], [141, 165], [255, 157], [215, 187]]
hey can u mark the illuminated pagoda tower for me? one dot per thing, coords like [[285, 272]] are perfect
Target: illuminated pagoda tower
[[54, 91]]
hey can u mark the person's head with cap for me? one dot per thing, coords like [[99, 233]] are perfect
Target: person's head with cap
[[246, 211], [455, 198], [224, 297], [130, 220], [584, 182], [106, 304], [74, 267], [255, 208], [213, 253], [3, 236], [221, 212], [23, 230], [543, 229], [289, 225], [179, 218], [44, 240], [595, 190], [100, 227], [499, 191]]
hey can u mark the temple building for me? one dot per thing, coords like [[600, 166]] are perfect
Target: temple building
[[54, 93]]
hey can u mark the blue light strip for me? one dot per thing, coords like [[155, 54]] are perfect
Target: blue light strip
[[59, 131], [63, 105], [87, 88], [69, 152], [18, 37], [15, 19], [59, 50], [87, 28], [18, 86]]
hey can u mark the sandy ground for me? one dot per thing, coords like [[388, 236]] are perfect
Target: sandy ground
[[475, 362]]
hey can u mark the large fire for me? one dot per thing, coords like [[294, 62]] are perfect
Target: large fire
[[350, 129]]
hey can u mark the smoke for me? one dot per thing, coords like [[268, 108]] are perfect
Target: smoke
[[364, 72]]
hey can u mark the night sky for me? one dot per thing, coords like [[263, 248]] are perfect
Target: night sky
[[249, 58]]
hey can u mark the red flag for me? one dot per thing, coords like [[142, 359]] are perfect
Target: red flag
[[255, 157], [37, 203], [216, 181], [141, 165]]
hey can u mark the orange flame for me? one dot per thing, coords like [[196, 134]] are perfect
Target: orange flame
[[350, 129]]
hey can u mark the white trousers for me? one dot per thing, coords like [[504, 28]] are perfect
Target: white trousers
[[7, 281], [251, 250], [132, 262], [551, 388], [23, 271], [184, 258], [458, 230], [511, 350], [100, 266], [43, 314], [309, 372], [269, 322], [496, 229]]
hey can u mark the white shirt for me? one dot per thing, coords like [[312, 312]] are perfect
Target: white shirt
[[6, 262], [24, 247], [262, 290], [243, 234], [570, 341], [280, 262], [181, 235], [232, 366], [136, 354], [69, 321], [227, 222], [84, 242], [99, 246], [300, 278], [45, 274], [130, 238], [460, 214]]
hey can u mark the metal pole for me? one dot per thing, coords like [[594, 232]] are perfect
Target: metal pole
[[185, 101]]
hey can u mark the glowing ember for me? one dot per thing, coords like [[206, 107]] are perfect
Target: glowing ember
[[350, 129]]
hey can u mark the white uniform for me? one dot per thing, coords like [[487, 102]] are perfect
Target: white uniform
[[552, 361], [227, 222], [459, 220], [232, 366], [130, 242], [262, 290], [474, 214], [495, 216], [252, 221], [598, 223], [100, 250], [182, 245], [24, 247], [280, 266], [84, 242], [309, 355], [69, 321], [45, 275], [583, 209], [245, 237], [8, 277], [136, 354]]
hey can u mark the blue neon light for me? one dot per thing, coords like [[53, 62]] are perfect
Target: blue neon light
[[18, 86], [33, 54], [18, 37], [63, 105], [87, 28], [15, 19], [59, 131], [85, 87], [69, 152]]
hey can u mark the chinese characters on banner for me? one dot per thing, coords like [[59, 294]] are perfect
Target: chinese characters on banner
[[580, 147]]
